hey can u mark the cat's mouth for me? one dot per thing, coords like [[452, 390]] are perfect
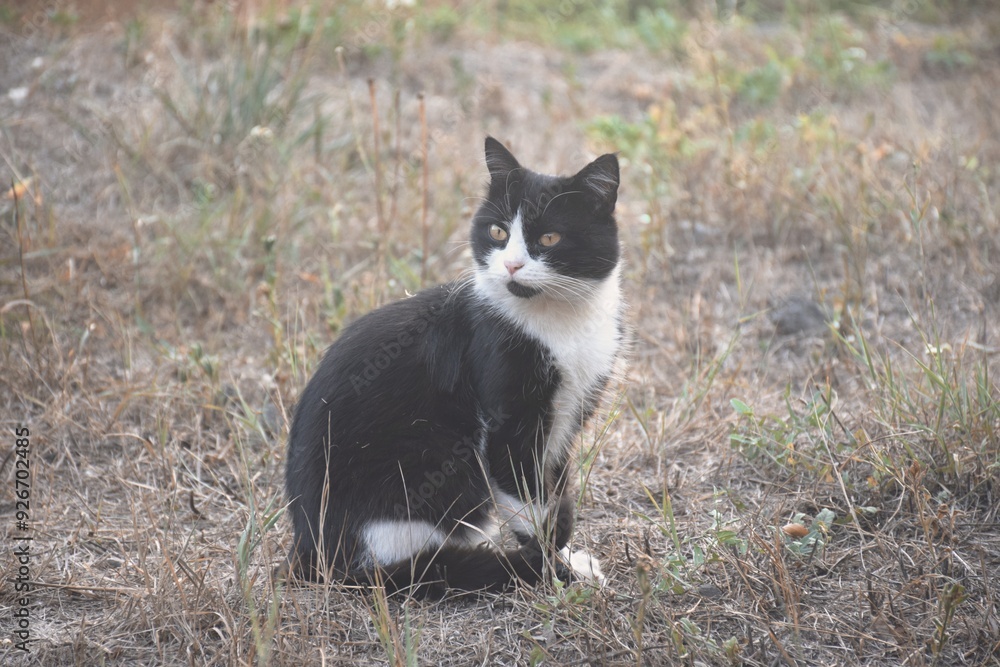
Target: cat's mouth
[[522, 291]]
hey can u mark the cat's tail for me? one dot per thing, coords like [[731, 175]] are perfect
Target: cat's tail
[[456, 566], [463, 568]]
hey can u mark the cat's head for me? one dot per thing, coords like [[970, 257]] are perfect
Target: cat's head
[[538, 236]]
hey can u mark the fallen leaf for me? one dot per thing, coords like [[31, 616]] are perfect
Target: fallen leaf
[[17, 192], [796, 530]]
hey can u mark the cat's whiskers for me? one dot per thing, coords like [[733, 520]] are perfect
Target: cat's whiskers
[[549, 202], [484, 201], [464, 281], [500, 211], [506, 185], [574, 289]]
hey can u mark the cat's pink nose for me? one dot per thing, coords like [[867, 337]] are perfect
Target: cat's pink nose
[[513, 267]]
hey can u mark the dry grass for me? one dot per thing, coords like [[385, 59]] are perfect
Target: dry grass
[[810, 216]]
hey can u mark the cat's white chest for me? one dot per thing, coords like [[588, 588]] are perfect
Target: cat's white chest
[[583, 350], [584, 343]]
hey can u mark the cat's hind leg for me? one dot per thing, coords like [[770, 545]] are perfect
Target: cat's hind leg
[[583, 565], [462, 568], [550, 523], [529, 519]]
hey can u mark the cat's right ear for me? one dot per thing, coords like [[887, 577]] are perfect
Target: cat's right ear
[[599, 180], [499, 160]]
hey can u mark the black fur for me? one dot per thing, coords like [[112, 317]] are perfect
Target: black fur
[[420, 404]]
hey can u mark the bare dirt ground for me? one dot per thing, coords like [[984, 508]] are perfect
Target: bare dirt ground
[[800, 468]]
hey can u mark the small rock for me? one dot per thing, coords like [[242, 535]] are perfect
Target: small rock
[[992, 291], [271, 417], [710, 591], [18, 95], [798, 315]]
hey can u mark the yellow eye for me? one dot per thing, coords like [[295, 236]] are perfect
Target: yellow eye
[[550, 239], [498, 233]]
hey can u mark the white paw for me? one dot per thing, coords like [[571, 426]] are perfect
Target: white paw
[[584, 566]]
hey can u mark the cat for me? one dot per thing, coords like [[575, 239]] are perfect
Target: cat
[[437, 424]]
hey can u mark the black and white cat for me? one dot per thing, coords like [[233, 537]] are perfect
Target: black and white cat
[[435, 423]]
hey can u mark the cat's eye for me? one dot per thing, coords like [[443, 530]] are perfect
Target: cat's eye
[[498, 233], [550, 239]]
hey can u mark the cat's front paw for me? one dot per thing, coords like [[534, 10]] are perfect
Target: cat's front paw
[[582, 566]]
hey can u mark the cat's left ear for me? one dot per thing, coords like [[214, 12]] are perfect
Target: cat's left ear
[[599, 181]]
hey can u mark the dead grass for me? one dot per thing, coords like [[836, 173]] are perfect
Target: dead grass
[[813, 263]]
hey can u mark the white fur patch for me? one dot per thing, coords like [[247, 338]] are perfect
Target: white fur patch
[[516, 515], [486, 533], [392, 541], [579, 325], [583, 338], [516, 251], [584, 566]]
